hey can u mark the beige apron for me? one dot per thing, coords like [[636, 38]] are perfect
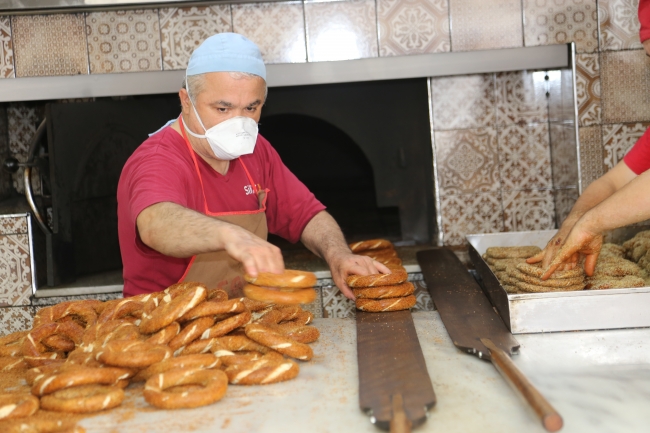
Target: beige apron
[[218, 269]]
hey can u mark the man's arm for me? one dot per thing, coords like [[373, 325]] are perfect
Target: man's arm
[[631, 204], [323, 236], [176, 231], [597, 192]]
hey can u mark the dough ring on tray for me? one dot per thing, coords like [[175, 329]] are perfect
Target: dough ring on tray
[[397, 276], [388, 304], [382, 292]]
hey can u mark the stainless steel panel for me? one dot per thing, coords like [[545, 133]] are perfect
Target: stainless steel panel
[[559, 311], [295, 74]]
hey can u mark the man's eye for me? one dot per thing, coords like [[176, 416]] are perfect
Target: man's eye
[[222, 110]]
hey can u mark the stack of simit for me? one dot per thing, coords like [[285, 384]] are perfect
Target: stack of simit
[[381, 292]]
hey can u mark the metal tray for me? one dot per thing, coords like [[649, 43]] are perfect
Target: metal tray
[[559, 311]]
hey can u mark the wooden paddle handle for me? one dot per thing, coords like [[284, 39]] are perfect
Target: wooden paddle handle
[[551, 420], [400, 422]]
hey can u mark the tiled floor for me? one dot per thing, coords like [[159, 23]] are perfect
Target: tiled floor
[[278, 29], [483, 25], [184, 29], [123, 41], [47, 45], [413, 26], [619, 25], [463, 102], [341, 30], [560, 22]]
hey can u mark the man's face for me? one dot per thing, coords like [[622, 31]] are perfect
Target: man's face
[[222, 97]]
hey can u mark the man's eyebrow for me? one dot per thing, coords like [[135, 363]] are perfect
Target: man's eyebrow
[[223, 103], [254, 103]]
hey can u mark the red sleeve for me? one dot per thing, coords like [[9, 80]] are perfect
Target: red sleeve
[[290, 205], [638, 158], [644, 19], [154, 177]]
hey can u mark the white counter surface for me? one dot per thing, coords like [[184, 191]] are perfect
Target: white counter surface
[[599, 381]]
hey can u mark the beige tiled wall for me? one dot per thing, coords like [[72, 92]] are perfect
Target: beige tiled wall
[[489, 112]]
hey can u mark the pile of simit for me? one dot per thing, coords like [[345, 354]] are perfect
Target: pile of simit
[[381, 292], [80, 355], [510, 267]]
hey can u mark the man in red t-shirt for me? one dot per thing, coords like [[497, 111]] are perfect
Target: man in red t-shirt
[[619, 198], [207, 186]]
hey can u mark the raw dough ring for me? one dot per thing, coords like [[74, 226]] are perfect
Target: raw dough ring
[[206, 360], [383, 292], [132, 354], [538, 272], [532, 288], [290, 279], [17, 405], [265, 294], [79, 376], [266, 370], [389, 304], [83, 399], [270, 338], [551, 282], [214, 382], [397, 276], [512, 252], [372, 244]]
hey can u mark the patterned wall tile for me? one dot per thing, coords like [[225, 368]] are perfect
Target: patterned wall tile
[[123, 41], [335, 305], [463, 102], [413, 26], [564, 201], [588, 89], [618, 139], [561, 107], [528, 210], [6, 187], [549, 22], [485, 24], [13, 319], [23, 119], [6, 49], [591, 154], [521, 97], [15, 270], [13, 225], [316, 307], [619, 24], [467, 160], [464, 214], [423, 298], [47, 45], [564, 157], [42, 302], [625, 80], [277, 28], [184, 29], [341, 30], [524, 156]]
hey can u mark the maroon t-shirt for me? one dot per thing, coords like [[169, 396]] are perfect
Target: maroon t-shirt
[[638, 158], [162, 170]]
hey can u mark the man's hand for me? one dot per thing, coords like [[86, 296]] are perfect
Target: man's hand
[[579, 241], [254, 253], [344, 264]]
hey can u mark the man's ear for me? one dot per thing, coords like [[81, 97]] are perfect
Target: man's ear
[[185, 99]]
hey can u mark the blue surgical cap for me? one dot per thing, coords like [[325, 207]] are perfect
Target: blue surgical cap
[[227, 52]]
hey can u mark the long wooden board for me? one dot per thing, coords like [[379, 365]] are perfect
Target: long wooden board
[[391, 364]]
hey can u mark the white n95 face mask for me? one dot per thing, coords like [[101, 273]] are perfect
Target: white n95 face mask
[[231, 138]]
